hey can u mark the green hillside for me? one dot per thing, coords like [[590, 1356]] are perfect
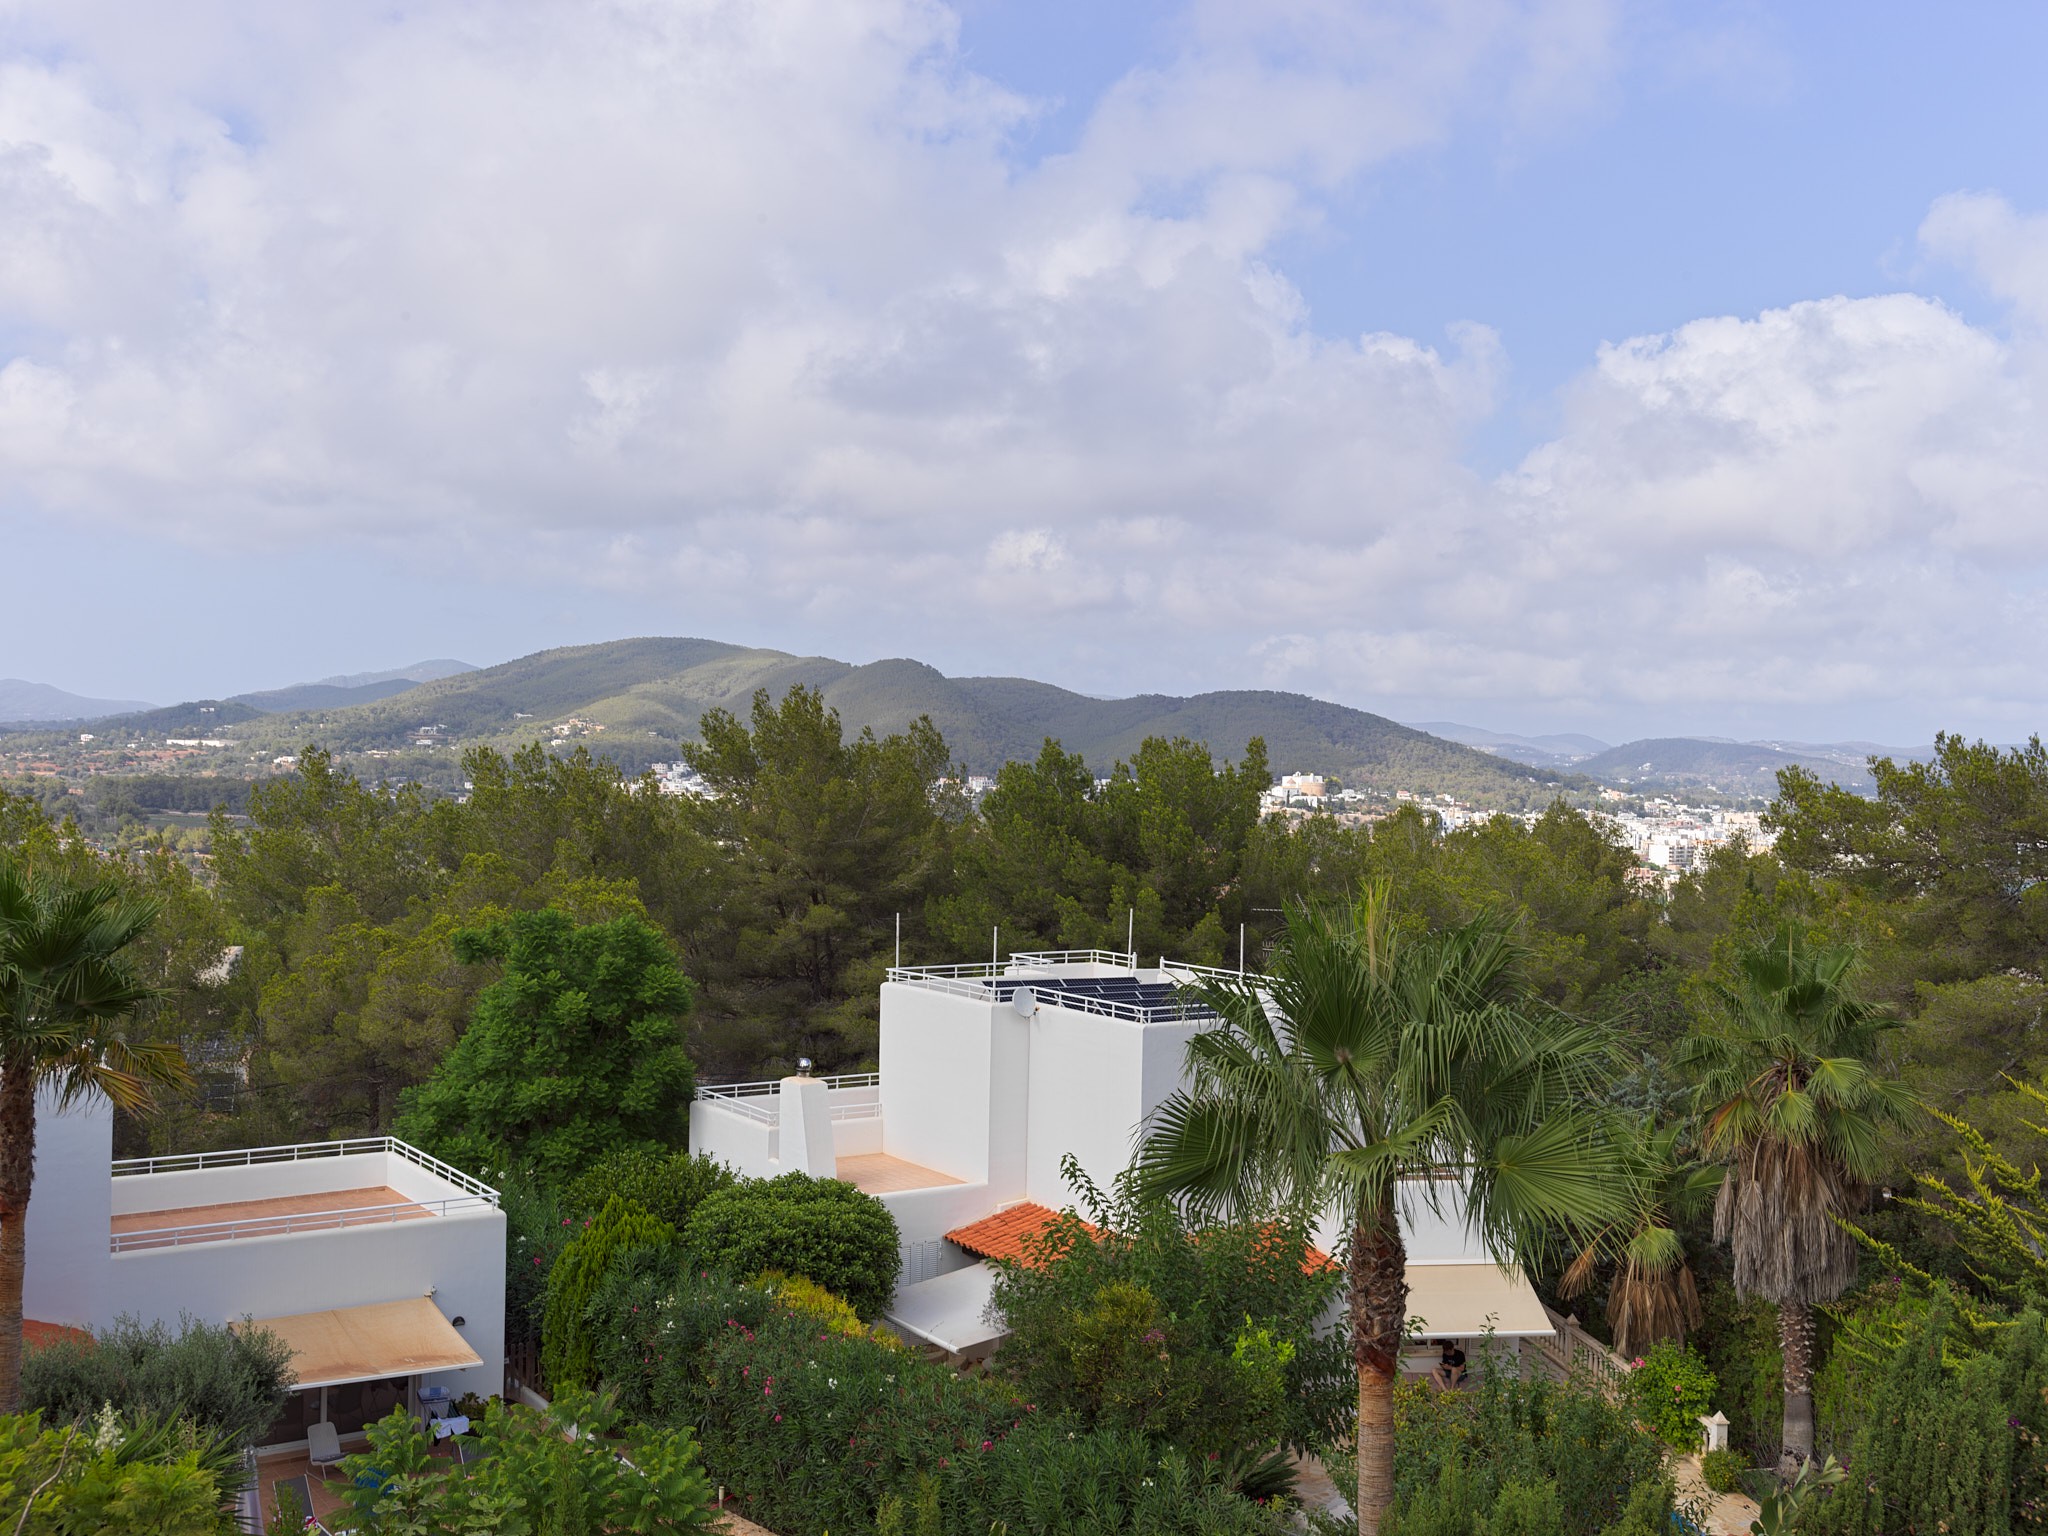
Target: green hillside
[[648, 694], [638, 700], [1728, 767]]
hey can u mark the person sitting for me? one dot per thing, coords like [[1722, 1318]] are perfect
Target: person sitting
[[1450, 1370]]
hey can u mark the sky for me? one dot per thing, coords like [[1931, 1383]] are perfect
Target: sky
[[1575, 366]]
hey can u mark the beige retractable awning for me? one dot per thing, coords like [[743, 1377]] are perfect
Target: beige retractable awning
[[386, 1338], [1461, 1301]]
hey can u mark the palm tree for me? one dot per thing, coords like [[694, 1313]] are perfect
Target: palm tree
[[1790, 1098], [1366, 1058], [1653, 1294], [64, 982]]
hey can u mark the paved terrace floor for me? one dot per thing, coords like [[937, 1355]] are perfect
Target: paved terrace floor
[[375, 1203], [877, 1173]]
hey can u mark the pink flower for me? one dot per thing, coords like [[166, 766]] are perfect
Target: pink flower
[[778, 1418], [988, 1445]]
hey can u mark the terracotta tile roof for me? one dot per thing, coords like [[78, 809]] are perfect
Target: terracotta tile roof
[[1313, 1260], [1002, 1235], [33, 1332]]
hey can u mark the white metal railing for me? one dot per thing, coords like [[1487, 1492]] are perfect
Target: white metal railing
[[761, 1100], [305, 1152], [1125, 958], [1218, 972], [986, 981], [281, 1225]]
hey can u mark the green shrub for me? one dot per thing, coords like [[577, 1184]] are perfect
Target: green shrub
[[818, 1432], [161, 1476], [1739, 1341], [806, 1298], [666, 1185], [816, 1429], [226, 1381], [652, 1320], [565, 1333], [1456, 1455], [1203, 1340], [823, 1229], [557, 1471], [1670, 1390], [537, 1229], [1722, 1470], [1950, 1445]]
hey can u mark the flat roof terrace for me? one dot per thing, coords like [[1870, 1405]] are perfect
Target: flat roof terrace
[[877, 1173], [263, 1217], [210, 1197]]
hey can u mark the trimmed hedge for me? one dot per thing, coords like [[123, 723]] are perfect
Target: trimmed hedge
[[822, 1229], [666, 1185]]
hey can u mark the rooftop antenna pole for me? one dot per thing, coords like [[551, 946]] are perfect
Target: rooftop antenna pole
[[1240, 949], [994, 962], [899, 941], [1131, 934]]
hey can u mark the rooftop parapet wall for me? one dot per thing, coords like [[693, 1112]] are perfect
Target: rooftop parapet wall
[[267, 1173]]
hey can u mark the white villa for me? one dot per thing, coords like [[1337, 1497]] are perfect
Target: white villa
[[382, 1267], [994, 1072]]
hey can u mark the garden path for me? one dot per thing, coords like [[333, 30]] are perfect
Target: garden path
[[1728, 1514]]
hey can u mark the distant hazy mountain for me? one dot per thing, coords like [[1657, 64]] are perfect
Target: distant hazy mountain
[[648, 694], [418, 672], [1560, 751], [351, 688], [25, 701], [1735, 767]]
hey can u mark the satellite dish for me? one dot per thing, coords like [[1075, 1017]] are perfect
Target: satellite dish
[[1025, 1001]]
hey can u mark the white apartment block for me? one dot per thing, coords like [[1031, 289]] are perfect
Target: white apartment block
[[991, 1074], [384, 1268]]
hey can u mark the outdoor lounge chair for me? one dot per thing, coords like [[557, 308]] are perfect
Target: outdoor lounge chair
[[323, 1447]]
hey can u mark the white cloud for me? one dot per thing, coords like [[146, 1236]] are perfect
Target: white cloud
[[757, 301]]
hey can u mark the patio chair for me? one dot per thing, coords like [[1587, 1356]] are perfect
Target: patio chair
[[323, 1447]]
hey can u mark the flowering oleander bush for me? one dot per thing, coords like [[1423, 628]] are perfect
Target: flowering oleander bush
[[1670, 1389], [819, 1429]]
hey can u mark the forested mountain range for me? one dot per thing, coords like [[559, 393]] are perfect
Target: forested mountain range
[[647, 696], [638, 700]]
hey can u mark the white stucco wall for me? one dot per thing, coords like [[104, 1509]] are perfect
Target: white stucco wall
[[743, 1144], [1093, 1080], [936, 1052], [459, 1257], [69, 1212]]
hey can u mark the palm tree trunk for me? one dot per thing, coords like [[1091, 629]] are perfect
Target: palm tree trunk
[[17, 1171], [1379, 1322], [1795, 1334]]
